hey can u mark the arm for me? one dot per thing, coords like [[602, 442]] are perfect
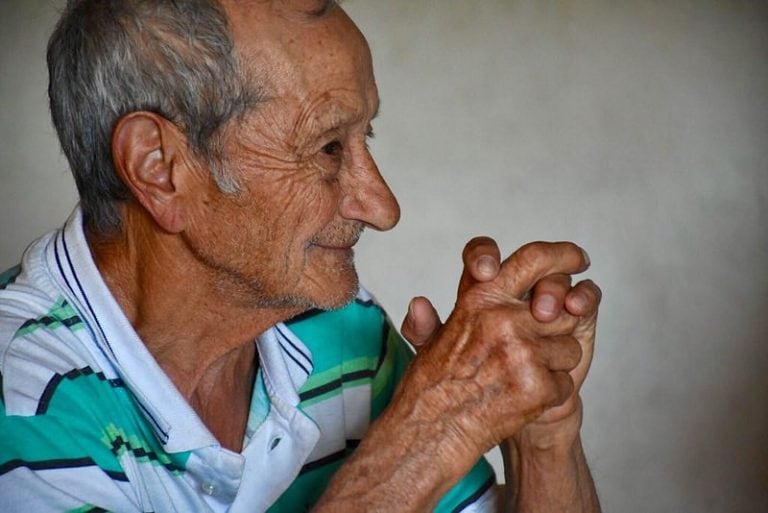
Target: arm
[[491, 369], [547, 477], [550, 469], [544, 464]]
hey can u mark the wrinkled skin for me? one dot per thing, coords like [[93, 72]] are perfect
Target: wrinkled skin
[[200, 274], [551, 298], [492, 374], [309, 184]]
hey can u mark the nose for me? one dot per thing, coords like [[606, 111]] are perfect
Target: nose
[[367, 197]]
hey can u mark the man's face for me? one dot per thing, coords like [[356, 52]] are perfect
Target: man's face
[[309, 184]]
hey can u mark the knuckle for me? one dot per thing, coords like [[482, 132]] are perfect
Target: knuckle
[[523, 354], [534, 251]]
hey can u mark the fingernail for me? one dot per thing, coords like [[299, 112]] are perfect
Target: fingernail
[[586, 257], [486, 265], [546, 304], [579, 301]]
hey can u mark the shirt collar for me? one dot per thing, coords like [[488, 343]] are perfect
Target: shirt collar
[[285, 360]]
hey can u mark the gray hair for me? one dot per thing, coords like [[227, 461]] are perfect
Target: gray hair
[[107, 58]]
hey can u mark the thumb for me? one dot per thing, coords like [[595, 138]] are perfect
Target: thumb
[[421, 323]]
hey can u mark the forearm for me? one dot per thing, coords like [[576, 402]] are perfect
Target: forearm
[[549, 475], [404, 463]]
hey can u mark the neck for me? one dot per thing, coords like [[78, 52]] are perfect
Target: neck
[[200, 336]]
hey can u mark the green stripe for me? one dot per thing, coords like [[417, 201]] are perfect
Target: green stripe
[[86, 417], [385, 382], [9, 276], [339, 337], [316, 380], [60, 314]]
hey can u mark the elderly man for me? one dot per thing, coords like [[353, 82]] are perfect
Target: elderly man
[[194, 338]]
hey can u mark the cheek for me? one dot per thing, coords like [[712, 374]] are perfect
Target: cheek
[[300, 208]]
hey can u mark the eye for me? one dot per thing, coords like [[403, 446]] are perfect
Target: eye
[[333, 148]]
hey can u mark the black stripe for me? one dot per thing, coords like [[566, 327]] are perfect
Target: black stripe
[[97, 509], [80, 287], [351, 445], [57, 464], [156, 425], [50, 388], [116, 476], [361, 374], [475, 496], [298, 350], [304, 316], [47, 320], [316, 311], [140, 452], [322, 389], [45, 398], [384, 344], [325, 460], [290, 355], [337, 383]]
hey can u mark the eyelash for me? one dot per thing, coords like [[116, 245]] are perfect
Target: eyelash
[[334, 147]]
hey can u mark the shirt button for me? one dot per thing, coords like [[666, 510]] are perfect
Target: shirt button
[[274, 443], [208, 488]]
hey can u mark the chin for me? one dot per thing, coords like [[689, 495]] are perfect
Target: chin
[[326, 294], [337, 293]]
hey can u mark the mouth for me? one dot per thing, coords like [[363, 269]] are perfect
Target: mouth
[[337, 242]]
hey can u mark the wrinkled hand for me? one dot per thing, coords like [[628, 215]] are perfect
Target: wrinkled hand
[[548, 324]]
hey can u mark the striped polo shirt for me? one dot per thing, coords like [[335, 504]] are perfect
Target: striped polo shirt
[[90, 422]]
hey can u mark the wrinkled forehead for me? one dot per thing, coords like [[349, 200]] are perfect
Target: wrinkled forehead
[[293, 44]]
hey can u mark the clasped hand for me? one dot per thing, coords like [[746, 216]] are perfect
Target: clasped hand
[[514, 352]]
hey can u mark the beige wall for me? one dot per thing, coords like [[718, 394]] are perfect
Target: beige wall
[[639, 129]]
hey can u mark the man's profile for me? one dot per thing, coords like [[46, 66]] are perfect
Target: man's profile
[[194, 338]]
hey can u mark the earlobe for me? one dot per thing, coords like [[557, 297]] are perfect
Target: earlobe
[[143, 152]]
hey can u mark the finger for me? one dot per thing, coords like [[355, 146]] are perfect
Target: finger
[[482, 262], [559, 353], [532, 262], [421, 323], [583, 299], [564, 387], [548, 298]]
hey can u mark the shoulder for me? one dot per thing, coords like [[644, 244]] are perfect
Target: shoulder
[[54, 400], [41, 337]]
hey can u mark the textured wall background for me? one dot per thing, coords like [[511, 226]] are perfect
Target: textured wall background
[[638, 129]]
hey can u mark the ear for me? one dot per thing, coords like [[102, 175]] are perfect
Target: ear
[[147, 154]]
